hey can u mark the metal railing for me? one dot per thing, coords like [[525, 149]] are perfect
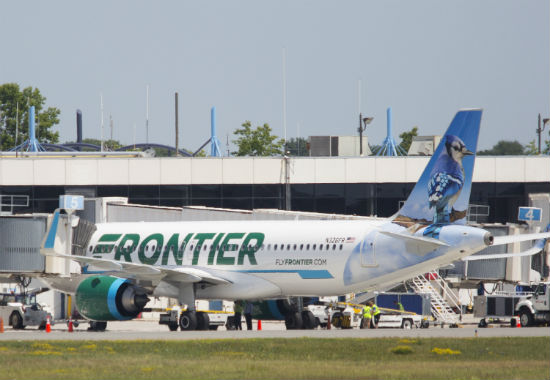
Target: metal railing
[[443, 299], [12, 201]]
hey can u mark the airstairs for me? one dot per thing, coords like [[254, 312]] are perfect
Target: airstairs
[[443, 298]]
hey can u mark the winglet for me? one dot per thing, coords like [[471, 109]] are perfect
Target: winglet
[[47, 248]]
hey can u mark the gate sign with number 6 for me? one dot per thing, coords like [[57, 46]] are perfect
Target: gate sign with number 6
[[71, 202], [530, 214]]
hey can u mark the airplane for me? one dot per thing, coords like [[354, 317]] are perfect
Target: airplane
[[274, 260]]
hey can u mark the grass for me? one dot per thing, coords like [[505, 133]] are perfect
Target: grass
[[302, 358]]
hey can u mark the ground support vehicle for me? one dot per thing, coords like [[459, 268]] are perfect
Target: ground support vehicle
[[205, 320], [532, 308], [348, 316], [20, 311]]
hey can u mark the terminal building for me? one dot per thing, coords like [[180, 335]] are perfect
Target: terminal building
[[362, 186]]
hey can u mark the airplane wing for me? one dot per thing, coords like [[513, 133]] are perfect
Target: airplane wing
[[145, 271]]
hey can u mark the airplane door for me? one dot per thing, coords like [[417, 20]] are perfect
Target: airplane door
[[368, 250]]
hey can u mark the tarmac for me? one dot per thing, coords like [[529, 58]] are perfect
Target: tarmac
[[151, 330]]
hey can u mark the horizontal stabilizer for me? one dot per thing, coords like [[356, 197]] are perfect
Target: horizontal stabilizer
[[509, 239], [539, 245], [428, 242]]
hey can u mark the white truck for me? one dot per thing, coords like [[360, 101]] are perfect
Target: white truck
[[532, 308], [20, 311]]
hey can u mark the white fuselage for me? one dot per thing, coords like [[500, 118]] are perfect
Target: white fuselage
[[269, 259]]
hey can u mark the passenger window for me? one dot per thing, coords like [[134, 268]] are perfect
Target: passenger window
[[341, 246], [91, 248], [334, 247], [269, 247], [191, 247], [301, 247], [295, 246], [314, 246], [320, 247], [275, 247], [307, 247], [288, 247], [327, 247]]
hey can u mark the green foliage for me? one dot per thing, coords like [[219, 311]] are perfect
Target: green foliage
[[107, 144], [297, 147], [257, 142], [10, 97], [532, 148], [407, 138], [504, 148]]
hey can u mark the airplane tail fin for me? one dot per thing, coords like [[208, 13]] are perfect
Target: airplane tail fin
[[442, 193]]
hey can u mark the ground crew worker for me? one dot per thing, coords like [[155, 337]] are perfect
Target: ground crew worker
[[248, 315], [238, 309], [399, 305], [367, 315], [375, 311]]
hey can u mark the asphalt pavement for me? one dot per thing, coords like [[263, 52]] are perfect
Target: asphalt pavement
[[151, 330]]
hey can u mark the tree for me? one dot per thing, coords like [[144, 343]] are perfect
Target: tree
[[407, 138], [12, 98], [532, 148], [297, 146], [504, 148], [257, 142], [107, 144]]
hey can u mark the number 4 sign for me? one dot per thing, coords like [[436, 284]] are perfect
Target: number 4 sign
[[530, 214]]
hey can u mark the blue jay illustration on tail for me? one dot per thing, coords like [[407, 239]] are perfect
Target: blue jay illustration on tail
[[447, 178], [442, 193]]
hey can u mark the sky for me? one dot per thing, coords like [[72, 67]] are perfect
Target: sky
[[426, 59]]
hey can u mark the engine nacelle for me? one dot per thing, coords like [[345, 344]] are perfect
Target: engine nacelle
[[273, 309], [106, 298]]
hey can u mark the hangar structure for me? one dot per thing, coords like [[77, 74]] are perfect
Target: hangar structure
[[342, 185]]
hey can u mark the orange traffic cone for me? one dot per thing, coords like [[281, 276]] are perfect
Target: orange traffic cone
[[1, 325], [259, 324], [70, 325], [48, 326], [518, 322]]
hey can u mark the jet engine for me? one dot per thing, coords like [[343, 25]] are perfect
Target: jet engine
[[106, 298]]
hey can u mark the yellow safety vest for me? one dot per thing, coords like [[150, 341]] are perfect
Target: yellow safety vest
[[366, 312], [375, 310]]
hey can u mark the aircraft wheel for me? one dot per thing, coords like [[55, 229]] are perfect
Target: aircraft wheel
[[188, 321], [173, 326], [308, 320], [293, 321], [203, 321], [97, 326]]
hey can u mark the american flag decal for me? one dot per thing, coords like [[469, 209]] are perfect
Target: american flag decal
[[350, 240]]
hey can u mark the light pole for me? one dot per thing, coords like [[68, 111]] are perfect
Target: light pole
[[363, 122], [540, 128]]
